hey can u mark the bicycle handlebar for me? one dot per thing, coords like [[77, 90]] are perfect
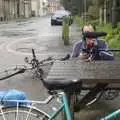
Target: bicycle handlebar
[[35, 62], [112, 50]]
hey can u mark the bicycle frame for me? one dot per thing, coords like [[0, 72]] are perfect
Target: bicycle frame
[[64, 107], [112, 116]]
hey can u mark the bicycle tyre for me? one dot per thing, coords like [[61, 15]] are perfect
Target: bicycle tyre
[[28, 113]]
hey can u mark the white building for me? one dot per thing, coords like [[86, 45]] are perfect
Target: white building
[[13, 9], [53, 5], [35, 5], [43, 7], [39, 7]]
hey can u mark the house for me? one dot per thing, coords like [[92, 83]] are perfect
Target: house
[[13, 9], [43, 7], [53, 5], [35, 5], [39, 7]]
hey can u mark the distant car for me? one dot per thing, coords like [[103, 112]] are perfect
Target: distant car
[[57, 17]]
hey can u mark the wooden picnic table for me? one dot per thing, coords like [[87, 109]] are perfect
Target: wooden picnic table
[[88, 72]]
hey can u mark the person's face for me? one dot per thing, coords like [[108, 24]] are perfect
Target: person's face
[[90, 42]]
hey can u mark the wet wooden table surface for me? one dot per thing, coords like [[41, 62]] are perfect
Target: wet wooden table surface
[[88, 72]]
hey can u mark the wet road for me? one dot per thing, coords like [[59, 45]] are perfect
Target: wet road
[[19, 38], [16, 41]]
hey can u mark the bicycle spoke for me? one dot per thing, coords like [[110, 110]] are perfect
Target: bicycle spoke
[[17, 110], [2, 114], [29, 112], [22, 113]]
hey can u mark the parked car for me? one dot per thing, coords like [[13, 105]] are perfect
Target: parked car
[[57, 17]]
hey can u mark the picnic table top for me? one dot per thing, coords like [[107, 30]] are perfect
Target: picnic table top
[[88, 72]]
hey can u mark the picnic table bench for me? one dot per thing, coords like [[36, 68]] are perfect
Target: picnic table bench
[[100, 73], [87, 72]]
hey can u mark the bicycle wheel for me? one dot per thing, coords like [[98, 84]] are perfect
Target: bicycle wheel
[[22, 113]]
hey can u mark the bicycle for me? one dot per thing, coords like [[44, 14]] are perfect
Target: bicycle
[[27, 111], [33, 65], [31, 109], [32, 112]]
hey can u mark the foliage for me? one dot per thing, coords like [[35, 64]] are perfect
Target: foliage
[[98, 2], [77, 6], [80, 22], [65, 31], [94, 11], [113, 35]]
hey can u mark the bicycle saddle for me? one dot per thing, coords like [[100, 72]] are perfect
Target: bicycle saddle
[[62, 84]]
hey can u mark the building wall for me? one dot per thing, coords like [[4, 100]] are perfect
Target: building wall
[[1, 10], [27, 8], [43, 7], [39, 7], [35, 7], [53, 5], [12, 9]]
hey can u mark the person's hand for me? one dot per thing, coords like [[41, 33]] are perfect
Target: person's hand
[[84, 56]]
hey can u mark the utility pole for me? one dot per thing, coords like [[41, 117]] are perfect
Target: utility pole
[[114, 13], [105, 11], [85, 9]]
